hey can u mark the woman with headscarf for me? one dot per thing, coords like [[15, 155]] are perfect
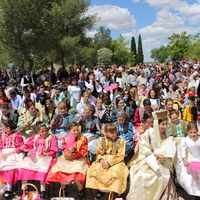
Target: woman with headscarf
[[152, 165]]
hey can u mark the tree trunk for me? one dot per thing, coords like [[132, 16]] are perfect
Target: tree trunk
[[62, 57], [30, 65]]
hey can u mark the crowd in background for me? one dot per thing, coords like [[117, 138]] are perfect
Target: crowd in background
[[109, 117]]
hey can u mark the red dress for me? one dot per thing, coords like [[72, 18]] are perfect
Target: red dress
[[65, 170]]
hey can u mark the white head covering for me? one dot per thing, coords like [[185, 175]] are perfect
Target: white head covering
[[161, 114]]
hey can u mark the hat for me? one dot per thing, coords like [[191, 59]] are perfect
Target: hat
[[161, 114]]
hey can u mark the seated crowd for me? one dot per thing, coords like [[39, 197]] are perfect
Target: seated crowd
[[99, 130]]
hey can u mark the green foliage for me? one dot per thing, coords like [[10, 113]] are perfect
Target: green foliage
[[194, 48], [43, 30], [178, 45], [104, 55], [102, 38], [140, 56], [133, 51], [121, 53], [160, 54]]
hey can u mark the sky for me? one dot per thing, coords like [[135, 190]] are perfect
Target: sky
[[154, 20]]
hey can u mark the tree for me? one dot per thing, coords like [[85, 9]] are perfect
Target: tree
[[34, 29], [102, 38], [140, 56], [160, 54], [121, 52], [104, 55], [133, 50], [178, 46], [154, 54], [194, 48]]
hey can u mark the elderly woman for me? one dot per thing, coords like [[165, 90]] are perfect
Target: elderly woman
[[28, 120], [151, 170], [91, 128], [120, 107], [173, 93]]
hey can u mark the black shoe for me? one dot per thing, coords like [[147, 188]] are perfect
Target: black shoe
[[8, 195], [18, 193], [99, 194], [80, 195], [43, 194]]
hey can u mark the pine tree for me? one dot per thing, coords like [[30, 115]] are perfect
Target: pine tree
[[140, 56], [133, 50]]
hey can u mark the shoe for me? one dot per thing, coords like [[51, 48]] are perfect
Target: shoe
[[18, 193], [43, 194], [80, 194], [8, 195], [99, 194]]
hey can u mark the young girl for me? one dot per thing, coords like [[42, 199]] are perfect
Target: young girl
[[125, 130], [61, 131], [187, 177], [109, 172], [72, 165], [42, 148], [10, 154]]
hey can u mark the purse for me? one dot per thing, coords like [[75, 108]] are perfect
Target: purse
[[62, 195], [31, 195]]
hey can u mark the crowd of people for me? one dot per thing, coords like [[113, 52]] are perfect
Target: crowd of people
[[97, 126]]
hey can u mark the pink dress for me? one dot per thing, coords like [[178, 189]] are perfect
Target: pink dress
[[9, 168], [36, 166]]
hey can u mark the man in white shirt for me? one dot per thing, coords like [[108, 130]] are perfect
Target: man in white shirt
[[16, 100]]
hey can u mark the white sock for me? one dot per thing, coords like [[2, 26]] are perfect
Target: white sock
[[9, 187], [42, 186]]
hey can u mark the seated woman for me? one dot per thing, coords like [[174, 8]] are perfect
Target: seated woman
[[139, 113], [50, 110], [101, 113], [120, 107], [125, 130], [6, 113], [155, 100], [147, 182], [72, 165], [28, 120], [174, 94], [187, 177], [91, 128], [109, 172], [83, 103], [60, 131], [147, 123]]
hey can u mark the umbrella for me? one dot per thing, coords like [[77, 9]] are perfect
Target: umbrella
[[111, 87]]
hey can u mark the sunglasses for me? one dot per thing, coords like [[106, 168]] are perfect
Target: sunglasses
[[125, 93], [106, 99]]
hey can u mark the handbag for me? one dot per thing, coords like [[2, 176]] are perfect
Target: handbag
[[62, 195], [31, 195]]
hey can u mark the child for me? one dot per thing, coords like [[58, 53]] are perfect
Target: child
[[109, 172], [42, 148], [72, 165], [125, 130], [10, 154], [61, 131], [187, 177]]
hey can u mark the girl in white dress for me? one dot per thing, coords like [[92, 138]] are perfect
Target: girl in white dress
[[187, 176]]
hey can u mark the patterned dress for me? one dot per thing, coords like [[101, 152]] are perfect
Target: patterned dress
[[115, 177], [68, 170], [36, 166], [9, 142]]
